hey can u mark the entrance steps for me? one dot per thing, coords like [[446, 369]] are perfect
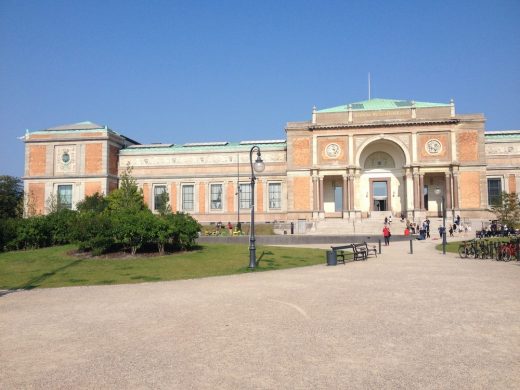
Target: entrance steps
[[365, 226]]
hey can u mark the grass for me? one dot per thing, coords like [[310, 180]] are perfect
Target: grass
[[55, 267]]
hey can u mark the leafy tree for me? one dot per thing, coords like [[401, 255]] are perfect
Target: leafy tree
[[96, 203], [132, 229], [94, 232], [163, 204], [8, 232], [507, 209], [33, 233], [128, 196], [162, 232], [186, 230], [61, 224], [11, 197]]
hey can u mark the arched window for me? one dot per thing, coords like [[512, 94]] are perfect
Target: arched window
[[379, 160]]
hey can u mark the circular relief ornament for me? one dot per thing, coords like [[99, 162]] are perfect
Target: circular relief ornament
[[65, 157], [433, 146], [332, 150]]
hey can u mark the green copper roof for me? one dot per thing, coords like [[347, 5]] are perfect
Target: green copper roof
[[210, 147], [381, 104]]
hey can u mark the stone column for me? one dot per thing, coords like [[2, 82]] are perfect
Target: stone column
[[421, 192], [416, 204], [314, 193], [322, 205], [447, 194], [351, 192], [456, 190], [345, 191], [404, 200]]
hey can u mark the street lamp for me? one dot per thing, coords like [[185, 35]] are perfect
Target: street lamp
[[258, 166], [443, 206]]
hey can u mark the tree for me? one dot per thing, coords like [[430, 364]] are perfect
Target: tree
[[128, 196], [96, 203], [11, 197], [163, 204], [133, 229], [507, 209]]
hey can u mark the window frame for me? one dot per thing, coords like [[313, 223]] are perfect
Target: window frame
[[241, 192], [211, 200], [155, 186], [184, 201], [500, 189], [59, 204], [279, 184]]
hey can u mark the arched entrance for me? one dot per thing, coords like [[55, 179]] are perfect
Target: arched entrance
[[382, 182]]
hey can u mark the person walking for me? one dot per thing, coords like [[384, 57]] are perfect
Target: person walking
[[387, 235]]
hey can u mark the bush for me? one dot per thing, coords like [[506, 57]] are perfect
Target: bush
[[133, 229], [62, 224], [31, 233], [94, 232], [185, 230], [8, 232]]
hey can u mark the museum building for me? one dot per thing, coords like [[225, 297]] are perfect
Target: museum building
[[361, 160]]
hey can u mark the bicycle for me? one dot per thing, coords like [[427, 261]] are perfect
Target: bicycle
[[466, 249]]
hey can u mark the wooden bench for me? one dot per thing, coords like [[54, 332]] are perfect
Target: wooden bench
[[342, 251], [371, 249]]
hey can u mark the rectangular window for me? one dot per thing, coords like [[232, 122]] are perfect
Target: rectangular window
[[159, 199], [494, 190], [244, 194], [216, 196], [275, 195], [187, 197], [65, 196]]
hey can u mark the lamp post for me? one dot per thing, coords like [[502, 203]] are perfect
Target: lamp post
[[443, 207], [258, 166]]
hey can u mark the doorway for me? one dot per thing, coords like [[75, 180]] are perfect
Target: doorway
[[379, 192]]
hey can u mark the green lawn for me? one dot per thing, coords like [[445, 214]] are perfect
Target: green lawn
[[53, 267]]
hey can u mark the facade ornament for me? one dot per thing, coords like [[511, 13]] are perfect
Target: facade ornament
[[433, 147]]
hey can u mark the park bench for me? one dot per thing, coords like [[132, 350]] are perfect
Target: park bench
[[351, 250], [370, 249]]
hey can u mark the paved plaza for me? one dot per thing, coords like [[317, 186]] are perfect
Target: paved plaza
[[398, 321]]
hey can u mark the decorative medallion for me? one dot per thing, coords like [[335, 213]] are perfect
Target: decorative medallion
[[65, 161], [65, 157], [332, 150], [433, 146]]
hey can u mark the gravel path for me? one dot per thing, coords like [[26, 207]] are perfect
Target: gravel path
[[398, 321]]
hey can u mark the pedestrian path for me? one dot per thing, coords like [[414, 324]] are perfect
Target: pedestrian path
[[396, 321]]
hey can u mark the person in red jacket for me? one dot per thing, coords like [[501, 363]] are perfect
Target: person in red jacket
[[387, 235]]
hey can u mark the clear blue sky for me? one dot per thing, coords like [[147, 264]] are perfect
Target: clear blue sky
[[172, 71]]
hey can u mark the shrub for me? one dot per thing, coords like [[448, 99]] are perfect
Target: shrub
[[61, 224], [94, 232], [8, 232], [33, 232], [132, 229], [185, 230]]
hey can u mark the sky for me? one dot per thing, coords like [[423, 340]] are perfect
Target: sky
[[200, 71]]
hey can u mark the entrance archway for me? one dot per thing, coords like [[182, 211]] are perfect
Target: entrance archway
[[382, 180]]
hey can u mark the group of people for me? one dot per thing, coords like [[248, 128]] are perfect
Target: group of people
[[495, 229], [229, 226], [423, 229]]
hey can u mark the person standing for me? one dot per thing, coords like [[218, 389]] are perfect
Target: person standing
[[390, 219], [387, 235]]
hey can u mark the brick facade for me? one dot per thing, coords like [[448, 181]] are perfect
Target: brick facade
[[329, 167]]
